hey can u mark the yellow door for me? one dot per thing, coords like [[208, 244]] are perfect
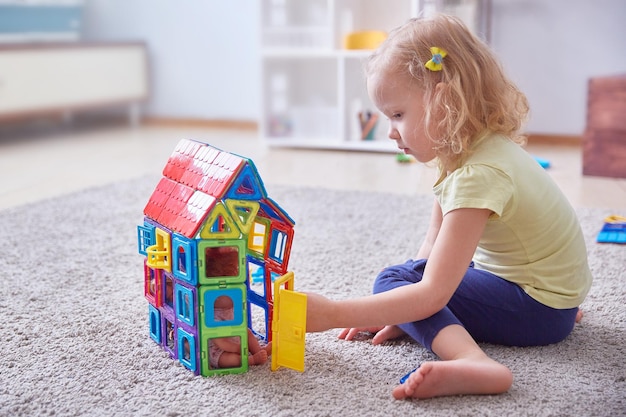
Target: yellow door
[[288, 326]]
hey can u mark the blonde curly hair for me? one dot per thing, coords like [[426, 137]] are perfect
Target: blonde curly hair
[[474, 95]]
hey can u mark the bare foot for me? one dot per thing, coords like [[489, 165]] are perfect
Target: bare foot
[[579, 315], [258, 358], [480, 375]]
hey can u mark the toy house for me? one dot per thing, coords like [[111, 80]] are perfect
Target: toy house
[[211, 234]]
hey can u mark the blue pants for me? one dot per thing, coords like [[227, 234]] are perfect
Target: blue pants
[[490, 308]]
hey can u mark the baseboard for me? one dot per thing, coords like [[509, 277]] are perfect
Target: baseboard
[[561, 140], [201, 123]]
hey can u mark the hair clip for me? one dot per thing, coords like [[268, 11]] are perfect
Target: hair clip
[[436, 62]]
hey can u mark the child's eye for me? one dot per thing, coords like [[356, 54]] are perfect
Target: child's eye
[[396, 116]]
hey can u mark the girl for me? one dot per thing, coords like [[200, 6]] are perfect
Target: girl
[[503, 260]]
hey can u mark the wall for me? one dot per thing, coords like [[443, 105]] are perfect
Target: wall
[[551, 48], [204, 53]]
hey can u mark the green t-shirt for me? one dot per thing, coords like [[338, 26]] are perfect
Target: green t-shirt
[[533, 237]]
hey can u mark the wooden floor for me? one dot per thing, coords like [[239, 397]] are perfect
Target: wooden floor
[[48, 160]]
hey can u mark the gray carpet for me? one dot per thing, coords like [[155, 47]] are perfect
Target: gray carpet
[[76, 336]]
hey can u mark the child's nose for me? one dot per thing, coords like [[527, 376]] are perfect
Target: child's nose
[[393, 133]]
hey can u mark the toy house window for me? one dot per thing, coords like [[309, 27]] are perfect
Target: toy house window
[[154, 317], [185, 305], [222, 352], [185, 308], [169, 336], [181, 260], [145, 238], [186, 349], [259, 321], [223, 309], [246, 187], [256, 277], [168, 291], [256, 240], [229, 302], [278, 246], [273, 277], [151, 281], [152, 285], [221, 261]]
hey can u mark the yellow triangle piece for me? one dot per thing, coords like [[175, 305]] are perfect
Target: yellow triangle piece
[[219, 225], [288, 325], [243, 213]]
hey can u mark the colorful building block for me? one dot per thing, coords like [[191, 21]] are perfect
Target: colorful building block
[[187, 343], [154, 322], [613, 230], [211, 235], [186, 301], [152, 285], [184, 257], [168, 333]]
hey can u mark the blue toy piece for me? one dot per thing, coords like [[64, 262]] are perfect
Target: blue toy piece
[[183, 258], [187, 350], [543, 162], [154, 319], [186, 304], [209, 295], [404, 378], [247, 185], [613, 231], [145, 238]]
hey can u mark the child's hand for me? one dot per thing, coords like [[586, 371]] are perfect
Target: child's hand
[[381, 334], [350, 333], [318, 313]]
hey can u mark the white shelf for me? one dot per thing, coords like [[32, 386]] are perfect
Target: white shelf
[[312, 88], [387, 146]]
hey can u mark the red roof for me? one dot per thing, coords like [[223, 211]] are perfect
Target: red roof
[[202, 167], [195, 177]]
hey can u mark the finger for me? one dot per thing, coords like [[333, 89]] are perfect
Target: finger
[[351, 333], [383, 335]]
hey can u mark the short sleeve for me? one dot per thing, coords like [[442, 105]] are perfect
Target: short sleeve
[[475, 186]]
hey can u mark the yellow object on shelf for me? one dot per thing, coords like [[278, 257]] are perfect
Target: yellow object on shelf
[[369, 39]]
